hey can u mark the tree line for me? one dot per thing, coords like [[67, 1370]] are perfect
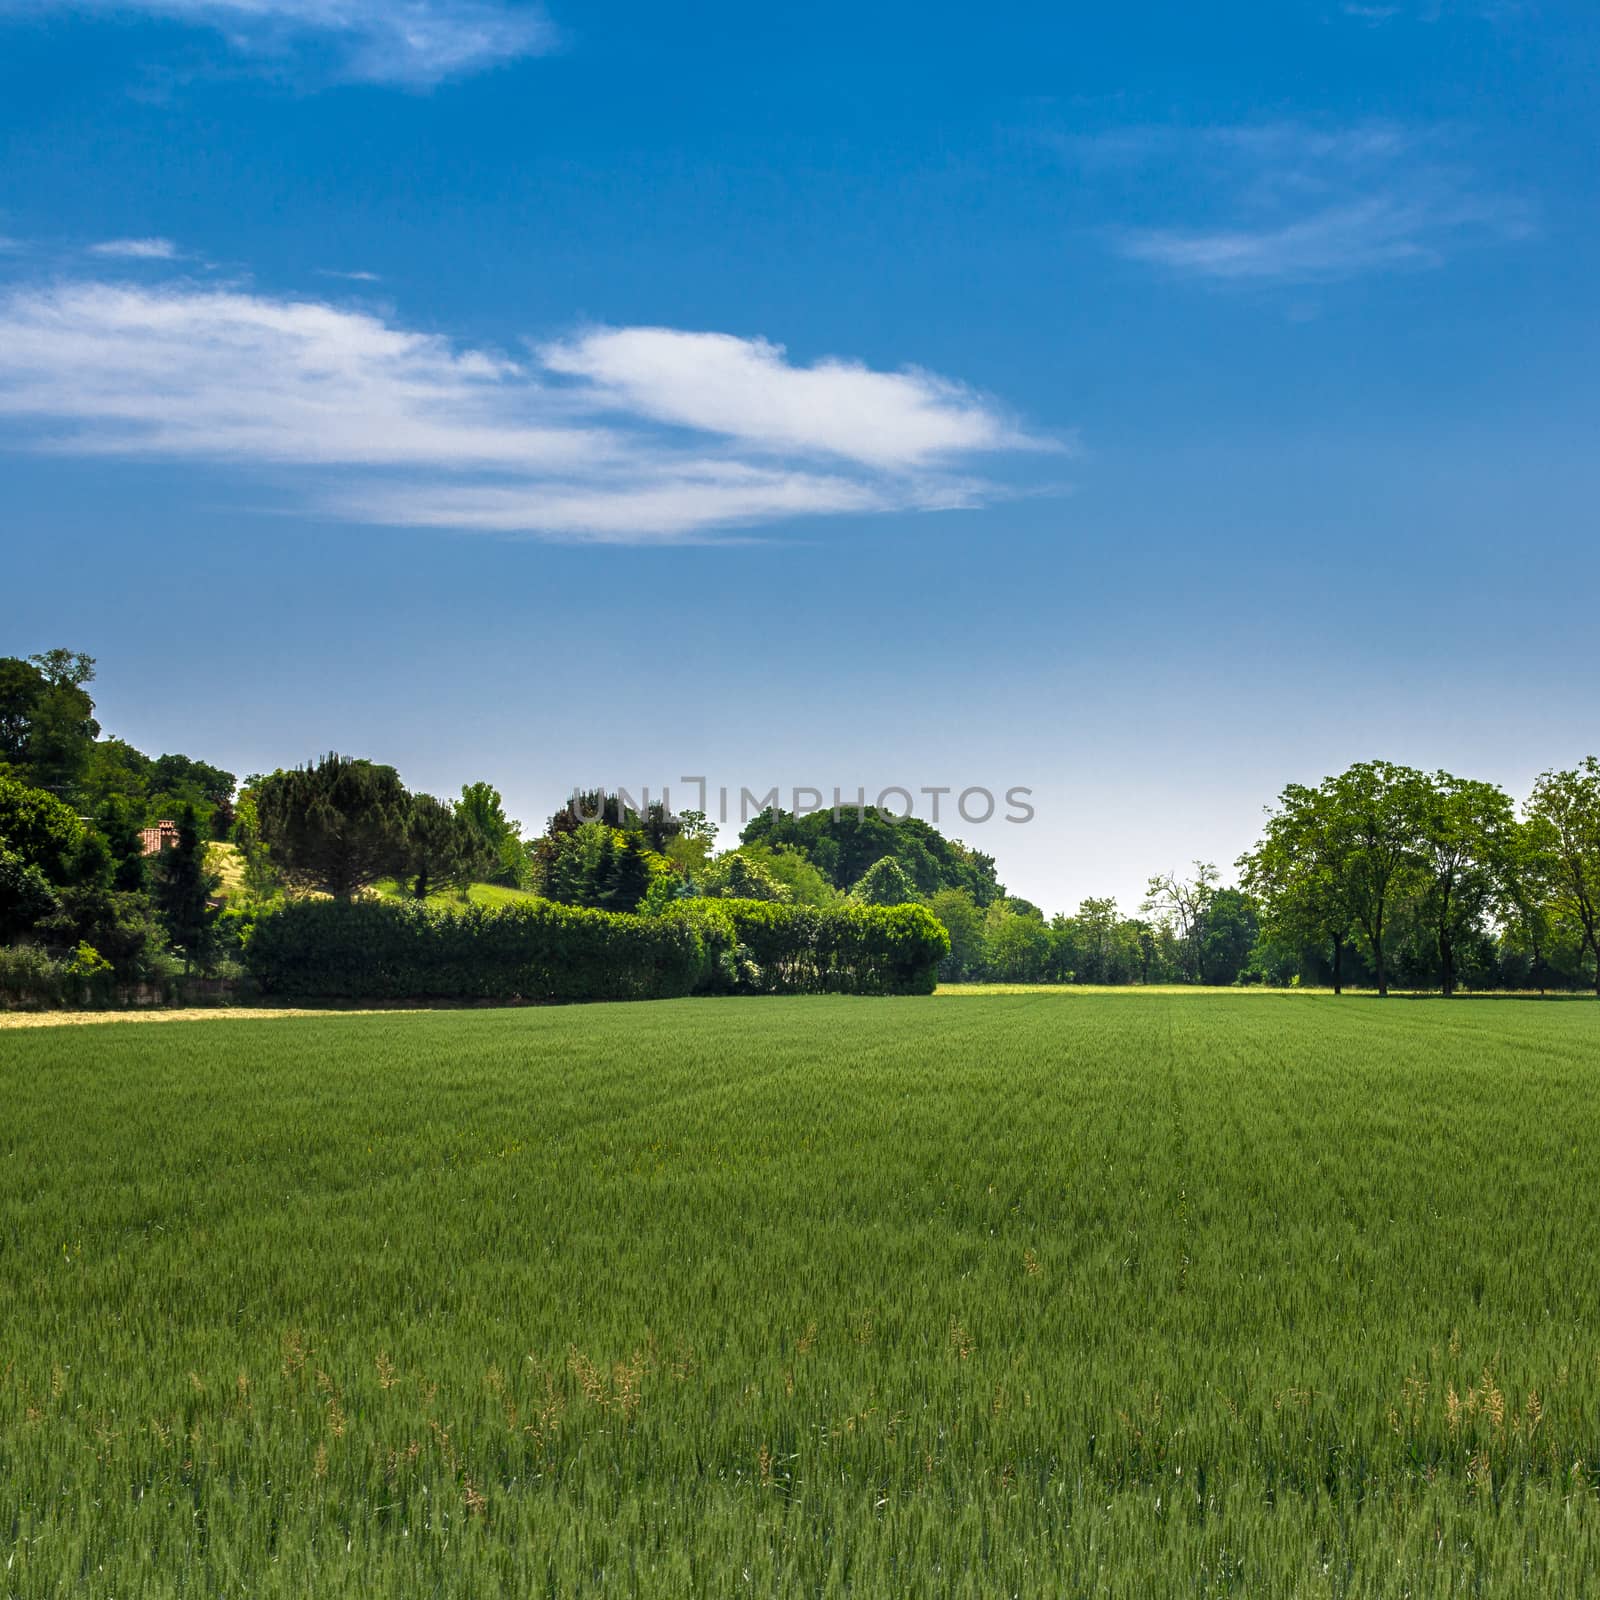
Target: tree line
[[1381, 876]]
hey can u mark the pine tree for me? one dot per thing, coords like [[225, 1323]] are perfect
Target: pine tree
[[629, 878], [602, 870]]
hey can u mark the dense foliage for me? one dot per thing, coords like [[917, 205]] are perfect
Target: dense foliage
[[844, 846]]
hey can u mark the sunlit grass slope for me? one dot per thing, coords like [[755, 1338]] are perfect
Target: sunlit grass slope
[[1132, 1296]]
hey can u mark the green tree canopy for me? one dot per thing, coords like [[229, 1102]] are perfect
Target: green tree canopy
[[1016, 945], [884, 883], [26, 897], [442, 848], [736, 876], [844, 847], [336, 826], [1565, 817], [499, 838], [42, 830], [963, 921], [1226, 935], [1467, 849], [47, 725]]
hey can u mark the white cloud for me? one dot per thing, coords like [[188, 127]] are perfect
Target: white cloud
[[746, 389], [1285, 202], [413, 42], [615, 433], [136, 249]]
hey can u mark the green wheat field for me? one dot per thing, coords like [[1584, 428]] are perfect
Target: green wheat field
[[1029, 1294]]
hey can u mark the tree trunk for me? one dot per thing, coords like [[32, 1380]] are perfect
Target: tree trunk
[[1377, 961], [1338, 965], [1447, 965]]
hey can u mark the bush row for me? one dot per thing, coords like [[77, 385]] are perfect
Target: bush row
[[542, 951], [762, 947], [35, 979]]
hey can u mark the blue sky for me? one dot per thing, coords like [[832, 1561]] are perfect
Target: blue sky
[[1148, 405]]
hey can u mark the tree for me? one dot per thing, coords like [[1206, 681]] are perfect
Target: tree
[[119, 824], [183, 889], [736, 876], [795, 870], [884, 883], [261, 880], [116, 771], [336, 826], [174, 781], [1529, 871], [499, 837], [659, 826], [1466, 846], [690, 849], [44, 831], [1091, 943], [1565, 813], [1376, 815], [1227, 934], [64, 669], [845, 845], [441, 848], [627, 879], [1016, 945], [963, 921], [47, 721], [1295, 875], [26, 898], [1183, 902]]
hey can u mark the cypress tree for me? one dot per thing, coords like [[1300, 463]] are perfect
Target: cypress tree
[[183, 893]]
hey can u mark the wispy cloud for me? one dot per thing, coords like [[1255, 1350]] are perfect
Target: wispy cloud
[[410, 42], [615, 433], [349, 277], [1378, 12], [1284, 202], [136, 249]]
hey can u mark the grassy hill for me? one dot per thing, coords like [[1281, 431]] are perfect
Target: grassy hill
[[477, 894], [225, 861]]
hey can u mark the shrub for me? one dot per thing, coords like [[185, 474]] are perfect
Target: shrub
[[758, 947], [32, 979], [533, 951], [30, 976]]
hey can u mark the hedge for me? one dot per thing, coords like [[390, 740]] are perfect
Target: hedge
[[762, 947], [397, 950], [541, 951]]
